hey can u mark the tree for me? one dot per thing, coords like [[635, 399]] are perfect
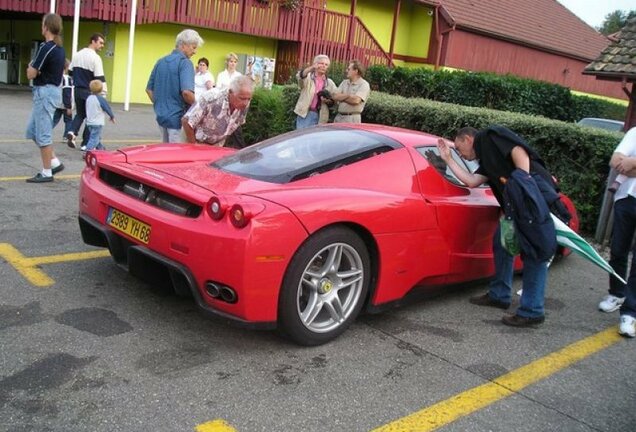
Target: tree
[[614, 21]]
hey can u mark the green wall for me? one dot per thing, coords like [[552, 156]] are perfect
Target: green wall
[[157, 40], [413, 29]]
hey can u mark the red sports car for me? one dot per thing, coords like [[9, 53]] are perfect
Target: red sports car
[[299, 232]]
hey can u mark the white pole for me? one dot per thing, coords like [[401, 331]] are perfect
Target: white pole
[[52, 6], [76, 17], [131, 46]]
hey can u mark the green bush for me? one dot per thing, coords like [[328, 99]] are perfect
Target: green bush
[[578, 156], [267, 116], [487, 90]]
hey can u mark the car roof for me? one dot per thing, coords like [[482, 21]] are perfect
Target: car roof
[[601, 123], [406, 137]]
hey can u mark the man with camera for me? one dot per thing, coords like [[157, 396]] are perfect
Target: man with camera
[[314, 84]]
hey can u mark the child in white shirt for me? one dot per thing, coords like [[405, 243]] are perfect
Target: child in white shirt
[[96, 105]]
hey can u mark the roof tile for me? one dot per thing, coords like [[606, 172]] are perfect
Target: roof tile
[[541, 23], [619, 58]]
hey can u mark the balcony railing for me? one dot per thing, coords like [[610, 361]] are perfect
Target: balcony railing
[[340, 36]]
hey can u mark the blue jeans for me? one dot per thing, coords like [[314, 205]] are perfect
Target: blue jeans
[[68, 120], [535, 274], [94, 138], [309, 121], [46, 99], [170, 135], [623, 228]]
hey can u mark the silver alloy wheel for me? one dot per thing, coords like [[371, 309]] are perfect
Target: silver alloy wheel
[[330, 287]]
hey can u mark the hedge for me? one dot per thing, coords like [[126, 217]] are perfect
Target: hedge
[[501, 92], [578, 156]]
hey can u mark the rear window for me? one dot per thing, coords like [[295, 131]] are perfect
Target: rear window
[[303, 153]]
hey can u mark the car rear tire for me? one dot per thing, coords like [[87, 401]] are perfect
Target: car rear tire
[[325, 287]]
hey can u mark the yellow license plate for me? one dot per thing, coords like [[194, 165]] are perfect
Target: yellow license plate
[[128, 225]]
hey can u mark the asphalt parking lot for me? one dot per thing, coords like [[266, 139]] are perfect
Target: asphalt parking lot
[[87, 347]]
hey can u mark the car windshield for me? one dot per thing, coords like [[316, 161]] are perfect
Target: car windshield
[[304, 153]]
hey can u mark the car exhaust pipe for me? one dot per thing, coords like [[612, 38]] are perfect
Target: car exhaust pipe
[[228, 294], [213, 289]]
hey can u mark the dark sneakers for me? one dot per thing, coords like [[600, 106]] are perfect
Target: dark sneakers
[[39, 178], [519, 321], [486, 300], [57, 169]]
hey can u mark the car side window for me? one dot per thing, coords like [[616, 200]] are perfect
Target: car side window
[[431, 153]]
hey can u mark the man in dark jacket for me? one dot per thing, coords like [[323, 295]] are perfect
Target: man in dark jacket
[[501, 152]]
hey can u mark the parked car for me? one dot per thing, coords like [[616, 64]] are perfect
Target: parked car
[[611, 125], [299, 232]]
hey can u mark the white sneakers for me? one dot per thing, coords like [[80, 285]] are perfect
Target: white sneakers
[[70, 140], [627, 326], [610, 303]]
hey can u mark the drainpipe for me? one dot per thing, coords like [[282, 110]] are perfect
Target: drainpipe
[[624, 87], [630, 120], [396, 15], [439, 37]]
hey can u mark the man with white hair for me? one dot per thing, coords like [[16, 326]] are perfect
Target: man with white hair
[[171, 85], [311, 108], [219, 112]]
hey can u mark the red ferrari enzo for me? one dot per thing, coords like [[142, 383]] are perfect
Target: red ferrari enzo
[[299, 232]]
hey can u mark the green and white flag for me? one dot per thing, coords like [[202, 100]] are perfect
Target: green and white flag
[[568, 238]]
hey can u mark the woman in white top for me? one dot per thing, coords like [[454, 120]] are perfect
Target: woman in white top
[[203, 79], [230, 72]]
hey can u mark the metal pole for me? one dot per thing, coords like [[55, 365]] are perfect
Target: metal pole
[[76, 17], [52, 6], [131, 46], [604, 223]]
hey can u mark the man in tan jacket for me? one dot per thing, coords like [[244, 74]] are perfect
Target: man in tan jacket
[[311, 108]]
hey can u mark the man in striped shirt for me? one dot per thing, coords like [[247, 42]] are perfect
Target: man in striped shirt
[[86, 66]]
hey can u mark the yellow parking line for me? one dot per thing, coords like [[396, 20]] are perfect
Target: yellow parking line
[[28, 267], [217, 425], [463, 404], [470, 401], [57, 177]]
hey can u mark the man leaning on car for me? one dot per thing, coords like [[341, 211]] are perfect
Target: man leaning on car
[[513, 170], [218, 113]]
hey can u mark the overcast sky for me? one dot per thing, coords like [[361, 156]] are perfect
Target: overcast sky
[[593, 11]]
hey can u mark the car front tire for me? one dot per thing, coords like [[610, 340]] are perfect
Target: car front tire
[[324, 287]]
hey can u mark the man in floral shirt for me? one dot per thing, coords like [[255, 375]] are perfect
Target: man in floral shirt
[[218, 113]]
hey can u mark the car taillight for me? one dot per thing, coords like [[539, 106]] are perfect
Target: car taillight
[[241, 214], [238, 216], [216, 208], [91, 160]]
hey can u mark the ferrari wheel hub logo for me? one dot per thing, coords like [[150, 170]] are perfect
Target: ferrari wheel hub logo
[[325, 286]]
